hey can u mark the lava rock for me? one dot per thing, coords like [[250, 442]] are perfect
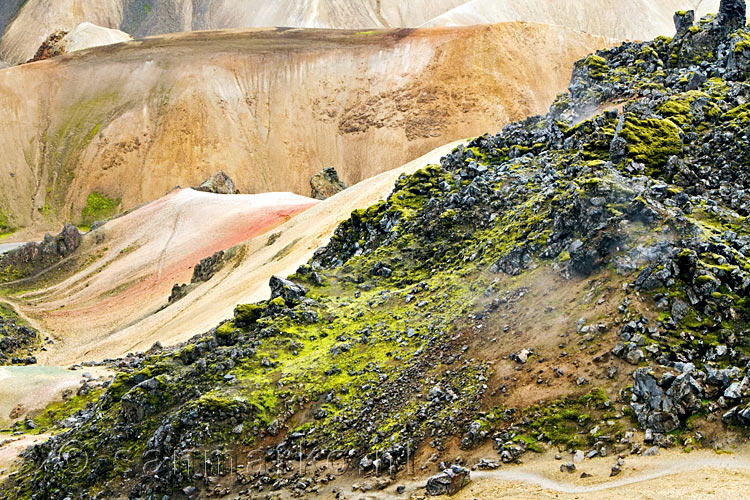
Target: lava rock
[[326, 183], [219, 183], [448, 482], [292, 293]]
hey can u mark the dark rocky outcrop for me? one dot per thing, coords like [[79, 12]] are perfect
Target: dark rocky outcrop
[[34, 257], [292, 293], [683, 21], [449, 482], [326, 183], [219, 183], [17, 341], [732, 14], [202, 272], [664, 403], [50, 47]]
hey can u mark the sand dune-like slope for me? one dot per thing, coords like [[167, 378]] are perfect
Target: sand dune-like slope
[[109, 308], [269, 107], [130, 265], [631, 19], [612, 18], [33, 388]]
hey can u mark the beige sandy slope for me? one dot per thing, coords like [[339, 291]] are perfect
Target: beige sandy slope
[[130, 264], [630, 19], [92, 326], [34, 387], [271, 108], [672, 475]]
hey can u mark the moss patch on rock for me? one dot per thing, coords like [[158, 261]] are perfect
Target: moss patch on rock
[[99, 207], [652, 141]]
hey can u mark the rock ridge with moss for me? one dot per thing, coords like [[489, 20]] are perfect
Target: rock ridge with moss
[[617, 222]]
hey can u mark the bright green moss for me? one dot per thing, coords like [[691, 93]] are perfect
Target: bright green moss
[[563, 422], [742, 39], [57, 412], [247, 314], [6, 228], [225, 334], [596, 66], [531, 443], [99, 207], [652, 141], [738, 117], [677, 108], [278, 302]]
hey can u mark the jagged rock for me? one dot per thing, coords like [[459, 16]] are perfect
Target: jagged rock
[[326, 183], [683, 21], [382, 483], [16, 340], [738, 415], [522, 356], [449, 482], [202, 272], [661, 409], [487, 464], [292, 293], [68, 240], [651, 415], [732, 14], [34, 257], [618, 149], [652, 452], [685, 395], [365, 464], [737, 389], [219, 183], [178, 292], [50, 47], [206, 268], [568, 467], [617, 468], [633, 355], [721, 378]]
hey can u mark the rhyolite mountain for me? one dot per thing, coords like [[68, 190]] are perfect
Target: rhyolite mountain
[[24, 25], [102, 131], [125, 123], [577, 276]]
